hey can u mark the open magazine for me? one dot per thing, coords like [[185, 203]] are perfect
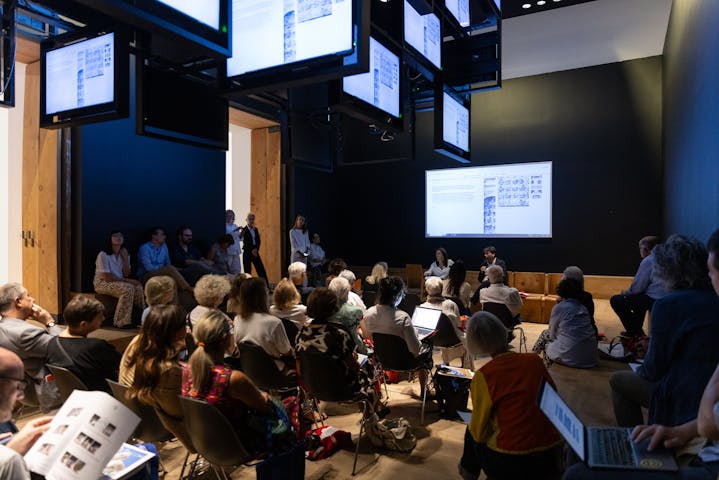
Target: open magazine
[[83, 437]]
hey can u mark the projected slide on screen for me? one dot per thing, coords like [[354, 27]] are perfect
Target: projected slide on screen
[[270, 33], [513, 200], [80, 75], [206, 11], [379, 86], [423, 33], [455, 123], [460, 10]]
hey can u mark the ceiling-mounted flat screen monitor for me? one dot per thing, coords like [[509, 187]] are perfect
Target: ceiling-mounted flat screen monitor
[[513, 200], [459, 10], [281, 43], [207, 12], [424, 34], [172, 107], [380, 87], [451, 125], [83, 78]]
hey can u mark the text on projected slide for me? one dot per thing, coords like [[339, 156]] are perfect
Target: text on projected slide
[[513, 200]]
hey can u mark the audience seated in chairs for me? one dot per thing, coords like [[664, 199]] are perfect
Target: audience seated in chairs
[[498, 292], [570, 339], [386, 318], [151, 369], [703, 465], [208, 378], [210, 292], [112, 272], [585, 297], [154, 259], [433, 287], [352, 297], [683, 340], [159, 290], [349, 316], [254, 324], [508, 436], [455, 287], [92, 360], [323, 335], [286, 304]]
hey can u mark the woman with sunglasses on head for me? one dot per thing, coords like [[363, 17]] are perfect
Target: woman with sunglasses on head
[[207, 377], [112, 272]]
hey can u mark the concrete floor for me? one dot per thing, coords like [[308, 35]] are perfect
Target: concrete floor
[[440, 441]]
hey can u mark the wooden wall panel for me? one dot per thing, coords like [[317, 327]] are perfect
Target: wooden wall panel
[[265, 197], [40, 194]]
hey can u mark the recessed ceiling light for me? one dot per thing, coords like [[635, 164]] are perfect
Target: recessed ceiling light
[[541, 2], [555, 1], [527, 5]]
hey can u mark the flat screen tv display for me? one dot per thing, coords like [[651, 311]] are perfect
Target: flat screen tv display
[[452, 125], [206, 11], [380, 87], [459, 10], [512, 200], [83, 78], [273, 33], [424, 34]]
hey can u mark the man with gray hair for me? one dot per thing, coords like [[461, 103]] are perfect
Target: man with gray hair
[[498, 292], [12, 381], [352, 297], [633, 303], [297, 271]]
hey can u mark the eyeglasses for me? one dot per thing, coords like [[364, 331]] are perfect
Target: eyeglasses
[[22, 383]]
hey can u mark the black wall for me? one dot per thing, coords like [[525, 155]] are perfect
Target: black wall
[[691, 119], [131, 183], [601, 126]]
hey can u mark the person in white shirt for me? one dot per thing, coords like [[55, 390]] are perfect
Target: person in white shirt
[[12, 386], [316, 261], [299, 240], [440, 267], [286, 304], [210, 292], [498, 292], [112, 269], [352, 297], [234, 251]]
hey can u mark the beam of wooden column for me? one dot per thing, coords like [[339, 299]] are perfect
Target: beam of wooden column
[[265, 197], [40, 200]]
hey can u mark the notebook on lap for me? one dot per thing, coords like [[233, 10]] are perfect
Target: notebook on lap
[[602, 447], [424, 321]]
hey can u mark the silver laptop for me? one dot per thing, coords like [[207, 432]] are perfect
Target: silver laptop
[[424, 321], [603, 447]]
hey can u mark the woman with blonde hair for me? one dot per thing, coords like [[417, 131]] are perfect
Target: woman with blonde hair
[[286, 303], [159, 290], [371, 282], [508, 435], [207, 377], [150, 366]]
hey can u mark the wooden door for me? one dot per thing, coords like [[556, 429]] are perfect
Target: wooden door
[[40, 200]]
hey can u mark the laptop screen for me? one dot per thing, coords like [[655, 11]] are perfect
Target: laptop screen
[[426, 317], [563, 419]]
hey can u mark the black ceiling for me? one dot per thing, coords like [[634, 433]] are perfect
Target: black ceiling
[[514, 8]]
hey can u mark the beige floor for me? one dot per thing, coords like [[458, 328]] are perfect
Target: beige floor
[[440, 441]]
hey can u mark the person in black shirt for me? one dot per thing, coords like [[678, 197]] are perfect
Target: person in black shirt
[[92, 360], [251, 248]]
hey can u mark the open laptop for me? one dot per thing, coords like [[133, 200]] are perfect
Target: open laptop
[[602, 447], [425, 320]]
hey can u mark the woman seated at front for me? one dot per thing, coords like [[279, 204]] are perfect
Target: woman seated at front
[[286, 303], [206, 377], [92, 360], [150, 366], [323, 335], [508, 436], [386, 318], [254, 323], [440, 267], [571, 339]]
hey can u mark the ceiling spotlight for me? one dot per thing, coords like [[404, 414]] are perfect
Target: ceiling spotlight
[[541, 2], [527, 5], [555, 1]]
